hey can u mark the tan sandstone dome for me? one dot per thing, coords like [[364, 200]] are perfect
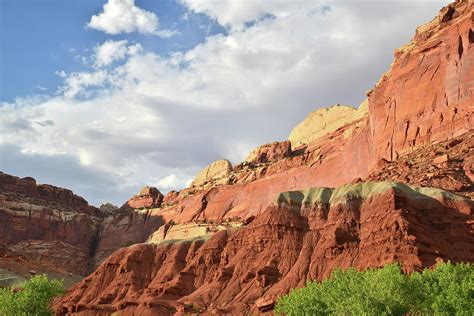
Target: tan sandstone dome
[[324, 121], [216, 170]]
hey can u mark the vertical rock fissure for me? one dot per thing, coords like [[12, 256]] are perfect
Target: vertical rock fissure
[[93, 245], [393, 128], [460, 47]]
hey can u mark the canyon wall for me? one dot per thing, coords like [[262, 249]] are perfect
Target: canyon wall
[[44, 223], [233, 242]]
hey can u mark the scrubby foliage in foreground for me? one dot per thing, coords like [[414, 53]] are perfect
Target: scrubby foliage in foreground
[[34, 298], [447, 289]]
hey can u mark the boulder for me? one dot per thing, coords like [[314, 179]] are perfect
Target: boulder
[[269, 153]]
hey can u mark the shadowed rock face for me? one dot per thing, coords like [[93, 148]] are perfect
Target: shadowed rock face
[[43, 223], [51, 229], [303, 236], [124, 227]]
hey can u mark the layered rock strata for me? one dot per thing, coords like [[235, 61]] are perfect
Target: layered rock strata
[[303, 236], [45, 223]]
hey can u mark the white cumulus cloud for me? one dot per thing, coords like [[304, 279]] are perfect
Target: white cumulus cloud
[[123, 16], [76, 83], [173, 182]]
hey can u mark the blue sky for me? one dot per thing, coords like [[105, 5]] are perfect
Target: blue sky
[[42, 37], [104, 97]]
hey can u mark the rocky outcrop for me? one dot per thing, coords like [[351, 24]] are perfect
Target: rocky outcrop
[[323, 122], [303, 236], [148, 197], [269, 153], [108, 208], [446, 165], [216, 170]]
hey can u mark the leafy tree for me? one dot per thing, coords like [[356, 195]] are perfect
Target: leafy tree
[[448, 289], [34, 298]]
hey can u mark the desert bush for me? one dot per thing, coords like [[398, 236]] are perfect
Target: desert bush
[[34, 298], [445, 290]]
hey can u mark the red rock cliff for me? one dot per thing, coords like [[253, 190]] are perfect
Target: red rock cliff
[[428, 94], [44, 223], [304, 236]]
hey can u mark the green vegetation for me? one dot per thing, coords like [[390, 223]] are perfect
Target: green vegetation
[[446, 290], [34, 298]]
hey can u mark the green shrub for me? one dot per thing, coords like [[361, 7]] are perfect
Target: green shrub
[[446, 290], [34, 298]]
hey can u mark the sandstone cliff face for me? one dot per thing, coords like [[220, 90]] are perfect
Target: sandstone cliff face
[[427, 96], [303, 236], [44, 223], [124, 227]]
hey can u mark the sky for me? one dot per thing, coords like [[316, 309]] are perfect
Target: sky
[[104, 97]]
